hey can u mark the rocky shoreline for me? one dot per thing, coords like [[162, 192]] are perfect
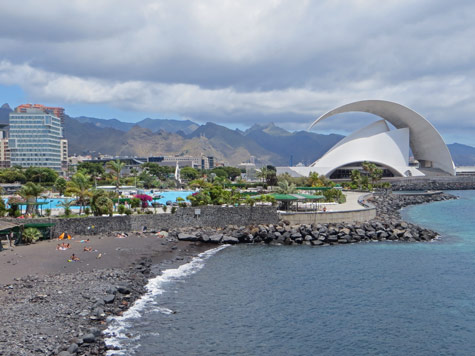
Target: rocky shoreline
[[386, 226], [65, 314]]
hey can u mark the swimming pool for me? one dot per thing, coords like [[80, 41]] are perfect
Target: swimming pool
[[55, 203]]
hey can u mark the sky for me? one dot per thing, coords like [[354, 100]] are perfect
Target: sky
[[243, 62]]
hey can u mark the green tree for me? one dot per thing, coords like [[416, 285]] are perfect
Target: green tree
[[116, 167], [287, 188], [94, 170], [12, 175], [375, 173], [355, 178], [148, 181], [3, 208], [79, 186], [189, 173], [66, 205], [30, 192], [31, 235], [101, 204], [262, 174], [41, 175], [60, 185]]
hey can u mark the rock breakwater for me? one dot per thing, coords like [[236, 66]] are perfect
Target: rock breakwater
[[387, 226]]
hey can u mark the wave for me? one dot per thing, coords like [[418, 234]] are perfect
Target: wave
[[117, 331]]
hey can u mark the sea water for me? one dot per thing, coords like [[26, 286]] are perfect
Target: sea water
[[388, 298]]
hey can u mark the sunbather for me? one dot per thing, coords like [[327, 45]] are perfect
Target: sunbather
[[74, 258]]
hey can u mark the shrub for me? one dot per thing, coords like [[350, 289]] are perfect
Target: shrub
[[128, 211], [164, 208], [149, 212], [144, 198], [31, 235], [87, 211], [135, 203], [173, 210], [121, 209], [48, 212], [3, 208]]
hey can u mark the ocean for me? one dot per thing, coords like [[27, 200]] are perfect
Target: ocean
[[375, 298]]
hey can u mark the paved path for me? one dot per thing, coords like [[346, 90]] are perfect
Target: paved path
[[350, 204]]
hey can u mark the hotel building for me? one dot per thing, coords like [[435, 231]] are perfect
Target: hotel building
[[35, 137]]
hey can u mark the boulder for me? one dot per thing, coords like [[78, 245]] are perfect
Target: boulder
[[216, 238], [73, 348], [187, 237], [229, 240], [109, 298], [89, 338]]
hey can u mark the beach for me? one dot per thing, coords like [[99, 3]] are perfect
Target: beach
[[49, 303]]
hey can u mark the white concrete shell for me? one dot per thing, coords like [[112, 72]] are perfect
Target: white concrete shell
[[375, 143], [425, 141]]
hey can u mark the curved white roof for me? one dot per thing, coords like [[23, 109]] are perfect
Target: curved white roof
[[374, 143], [425, 141]]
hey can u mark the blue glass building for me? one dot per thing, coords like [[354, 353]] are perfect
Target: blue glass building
[[35, 139]]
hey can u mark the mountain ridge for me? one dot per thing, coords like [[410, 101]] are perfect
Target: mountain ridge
[[267, 143]]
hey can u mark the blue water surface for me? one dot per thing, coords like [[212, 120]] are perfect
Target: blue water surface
[[364, 299], [166, 196]]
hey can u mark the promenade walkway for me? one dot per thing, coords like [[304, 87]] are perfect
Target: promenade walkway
[[350, 204]]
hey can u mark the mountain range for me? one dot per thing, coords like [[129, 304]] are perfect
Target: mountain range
[[269, 144]]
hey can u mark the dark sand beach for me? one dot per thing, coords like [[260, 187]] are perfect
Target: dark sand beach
[[49, 304]]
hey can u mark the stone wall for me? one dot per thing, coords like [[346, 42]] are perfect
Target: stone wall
[[329, 216], [434, 183], [209, 216]]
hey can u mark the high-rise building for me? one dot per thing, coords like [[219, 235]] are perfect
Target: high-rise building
[[35, 137], [4, 149], [56, 111]]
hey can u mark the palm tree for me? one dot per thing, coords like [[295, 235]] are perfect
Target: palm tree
[[286, 188], [66, 205], [30, 191], [79, 186], [262, 173], [116, 167]]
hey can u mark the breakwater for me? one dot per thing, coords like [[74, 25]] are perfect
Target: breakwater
[[434, 183], [386, 226]]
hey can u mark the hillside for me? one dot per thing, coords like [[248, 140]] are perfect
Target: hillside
[[462, 155], [269, 144], [154, 125]]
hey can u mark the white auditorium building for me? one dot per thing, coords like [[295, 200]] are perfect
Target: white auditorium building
[[388, 148]]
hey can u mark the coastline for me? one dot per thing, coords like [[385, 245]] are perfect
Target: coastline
[[53, 305], [64, 305]]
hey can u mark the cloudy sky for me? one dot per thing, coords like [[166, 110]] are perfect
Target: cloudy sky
[[242, 62]]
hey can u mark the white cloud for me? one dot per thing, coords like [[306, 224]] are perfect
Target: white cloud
[[285, 60]]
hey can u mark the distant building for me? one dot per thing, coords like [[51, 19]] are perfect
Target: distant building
[[64, 154], [4, 149], [35, 137]]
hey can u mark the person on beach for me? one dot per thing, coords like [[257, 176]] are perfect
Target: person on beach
[[73, 258], [87, 249], [63, 246]]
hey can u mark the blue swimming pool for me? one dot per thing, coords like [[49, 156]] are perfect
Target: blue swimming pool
[[172, 196]]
